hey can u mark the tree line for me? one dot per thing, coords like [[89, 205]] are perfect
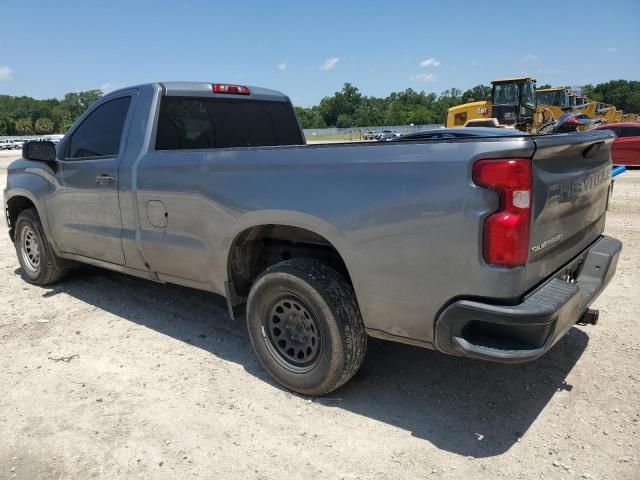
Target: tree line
[[346, 108], [28, 116], [349, 108]]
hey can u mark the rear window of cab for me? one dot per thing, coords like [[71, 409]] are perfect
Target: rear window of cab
[[197, 123]]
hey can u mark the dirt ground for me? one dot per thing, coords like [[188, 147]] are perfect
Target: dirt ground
[[107, 376]]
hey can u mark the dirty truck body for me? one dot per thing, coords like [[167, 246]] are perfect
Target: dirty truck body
[[485, 247]]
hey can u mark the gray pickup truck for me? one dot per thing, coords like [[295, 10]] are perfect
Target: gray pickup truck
[[487, 247]]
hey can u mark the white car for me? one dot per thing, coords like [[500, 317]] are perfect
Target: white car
[[11, 144]]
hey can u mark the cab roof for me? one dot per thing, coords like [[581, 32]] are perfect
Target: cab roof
[[554, 89], [512, 79], [205, 89]]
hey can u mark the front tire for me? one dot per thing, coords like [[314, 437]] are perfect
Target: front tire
[[41, 266], [305, 326], [547, 128]]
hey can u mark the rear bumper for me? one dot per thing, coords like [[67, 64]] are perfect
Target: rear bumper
[[523, 332]]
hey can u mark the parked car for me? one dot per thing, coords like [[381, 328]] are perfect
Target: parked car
[[10, 144], [17, 143], [387, 135], [368, 135], [626, 146], [474, 247]]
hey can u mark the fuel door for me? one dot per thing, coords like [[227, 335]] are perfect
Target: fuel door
[[157, 213]]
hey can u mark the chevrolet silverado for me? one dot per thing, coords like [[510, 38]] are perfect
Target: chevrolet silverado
[[489, 247]]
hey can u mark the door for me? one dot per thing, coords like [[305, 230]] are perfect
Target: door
[[83, 209], [626, 148]]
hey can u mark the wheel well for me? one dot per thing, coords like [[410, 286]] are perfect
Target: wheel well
[[257, 248], [15, 206]]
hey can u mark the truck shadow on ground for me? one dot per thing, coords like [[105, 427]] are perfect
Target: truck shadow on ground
[[468, 407]]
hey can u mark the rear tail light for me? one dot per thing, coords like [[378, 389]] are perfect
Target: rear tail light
[[506, 231], [230, 89]]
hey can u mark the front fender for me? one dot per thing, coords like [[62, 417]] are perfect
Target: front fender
[[30, 182]]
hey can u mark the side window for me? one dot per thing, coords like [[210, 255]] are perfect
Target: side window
[[629, 132], [100, 133]]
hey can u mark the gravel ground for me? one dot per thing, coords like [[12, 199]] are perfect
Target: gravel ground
[[108, 376]]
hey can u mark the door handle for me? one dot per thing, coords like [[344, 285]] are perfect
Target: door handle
[[104, 179]]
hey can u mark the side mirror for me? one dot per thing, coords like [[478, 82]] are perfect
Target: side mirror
[[39, 151]]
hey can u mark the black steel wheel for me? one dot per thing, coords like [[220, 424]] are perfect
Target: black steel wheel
[[40, 264], [292, 333], [305, 326]]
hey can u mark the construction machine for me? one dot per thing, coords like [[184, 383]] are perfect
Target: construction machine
[[515, 103], [512, 105], [601, 112], [557, 101]]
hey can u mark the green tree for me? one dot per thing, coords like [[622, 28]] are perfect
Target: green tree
[[77, 102], [61, 112], [24, 126], [310, 117], [624, 94], [477, 93], [346, 101], [44, 126], [7, 125], [344, 120]]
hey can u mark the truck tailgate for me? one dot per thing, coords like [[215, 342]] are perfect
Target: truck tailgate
[[571, 178]]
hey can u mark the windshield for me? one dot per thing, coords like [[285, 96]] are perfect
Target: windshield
[[557, 98], [528, 97], [506, 94]]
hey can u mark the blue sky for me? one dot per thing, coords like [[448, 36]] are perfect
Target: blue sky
[[309, 49]]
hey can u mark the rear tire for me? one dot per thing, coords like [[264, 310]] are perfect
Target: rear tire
[[305, 326], [41, 266]]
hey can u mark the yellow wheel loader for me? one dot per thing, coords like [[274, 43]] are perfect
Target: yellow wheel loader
[[512, 105]]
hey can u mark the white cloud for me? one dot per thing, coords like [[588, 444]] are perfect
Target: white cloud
[[530, 59], [611, 50], [430, 62], [329, 63], [282, 67], [110, 86], [423, 77], [5, 72], [107, 87]]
